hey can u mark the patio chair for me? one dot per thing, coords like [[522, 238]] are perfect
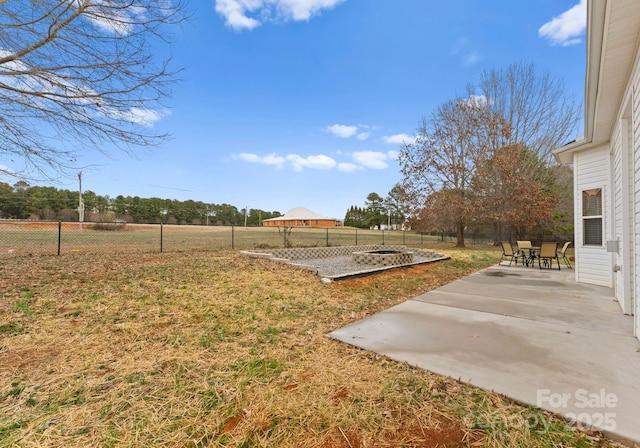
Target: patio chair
[[508, 252], [548, 253], [563, 254]]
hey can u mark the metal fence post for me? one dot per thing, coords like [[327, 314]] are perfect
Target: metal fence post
[[327, 237], [160, 237], [403, 237], [233, 237], [383, 237], [59, 236], [356, 237]]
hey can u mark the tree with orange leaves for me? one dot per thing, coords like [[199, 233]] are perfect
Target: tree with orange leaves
[[515, 188]]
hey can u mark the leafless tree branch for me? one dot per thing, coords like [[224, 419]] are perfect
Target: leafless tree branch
[[79, 75]]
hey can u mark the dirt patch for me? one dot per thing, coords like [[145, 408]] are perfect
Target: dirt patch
[[341, 394], [31, 358], [439, 433], [367, 280], [341, 439], [233, 423]]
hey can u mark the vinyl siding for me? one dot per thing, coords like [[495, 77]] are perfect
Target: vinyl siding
[[622, 168], [635, 210], [618, 220], [593, 263]]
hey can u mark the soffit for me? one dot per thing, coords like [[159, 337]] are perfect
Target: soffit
[[619, 46]]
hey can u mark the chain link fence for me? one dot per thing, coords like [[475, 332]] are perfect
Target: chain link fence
[[57, 238]]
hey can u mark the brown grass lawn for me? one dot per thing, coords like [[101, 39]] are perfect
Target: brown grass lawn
[[215, 349]]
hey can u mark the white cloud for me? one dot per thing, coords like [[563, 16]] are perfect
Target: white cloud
[[234, 13], [273, 160], [248, 157], [348, 167], [342, 131], [248, 14], [270, 159], [304, 9], [460, 48], [137, 115], [476, 100], [374, 160], [320, 162], [471, 58], [112, 20], [566, 28], [459, 45], [399, 139], [295, 161], [348, 131]]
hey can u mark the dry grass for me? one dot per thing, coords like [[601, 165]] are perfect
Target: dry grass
[[215, 349]]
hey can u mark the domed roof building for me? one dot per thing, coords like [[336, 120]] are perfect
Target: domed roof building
[[301, 217]]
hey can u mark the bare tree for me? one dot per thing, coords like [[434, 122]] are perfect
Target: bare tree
[[82, 74], [535, 106]]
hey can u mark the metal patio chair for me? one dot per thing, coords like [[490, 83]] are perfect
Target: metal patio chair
[[548, 253], [563, 254], [509, 253]]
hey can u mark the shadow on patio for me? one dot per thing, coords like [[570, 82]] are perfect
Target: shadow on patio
[[534, 335]]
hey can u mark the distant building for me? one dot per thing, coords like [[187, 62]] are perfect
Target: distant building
[[301, 217]]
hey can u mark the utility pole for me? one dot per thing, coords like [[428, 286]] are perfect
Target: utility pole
[[80, 201]]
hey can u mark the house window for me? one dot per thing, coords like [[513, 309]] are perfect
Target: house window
[[592, 217]]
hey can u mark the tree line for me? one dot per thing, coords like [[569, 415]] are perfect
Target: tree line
[[22, 201]]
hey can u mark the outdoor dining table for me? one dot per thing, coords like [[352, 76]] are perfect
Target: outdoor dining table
[[534, 252]]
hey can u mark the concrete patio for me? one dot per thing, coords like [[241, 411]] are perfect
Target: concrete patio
[[534, 335]]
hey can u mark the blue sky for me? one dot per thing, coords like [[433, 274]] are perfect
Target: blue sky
[[287, 103]]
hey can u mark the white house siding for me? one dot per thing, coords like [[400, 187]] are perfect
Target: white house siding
[[635, 211], [618, 220], [622, 202], [592, 168]]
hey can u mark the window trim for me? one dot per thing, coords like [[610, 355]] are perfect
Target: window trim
[[594, 217]]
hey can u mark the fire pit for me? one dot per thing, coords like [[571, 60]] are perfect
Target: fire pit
[[383, 257]]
